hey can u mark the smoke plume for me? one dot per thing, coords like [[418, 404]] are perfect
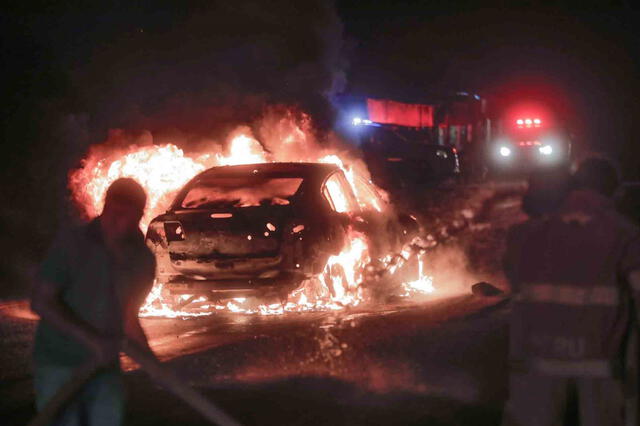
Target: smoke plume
[[216, 68]]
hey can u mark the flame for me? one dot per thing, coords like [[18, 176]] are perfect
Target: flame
[[243, 149], [424, 283], [365, 200], [337, 287], [161, 170], [352, 261], [164, 169]]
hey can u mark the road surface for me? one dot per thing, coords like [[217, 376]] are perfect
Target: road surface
[[438, 359]]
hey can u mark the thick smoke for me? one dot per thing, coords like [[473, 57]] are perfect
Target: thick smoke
[[216, 68], [268, 70]]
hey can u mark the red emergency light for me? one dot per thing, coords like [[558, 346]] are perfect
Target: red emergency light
[[528, 123]]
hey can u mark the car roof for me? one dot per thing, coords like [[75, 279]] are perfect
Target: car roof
[[302, 169]]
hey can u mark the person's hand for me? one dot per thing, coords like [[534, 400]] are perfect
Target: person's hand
[[104, 350], [132, 347]]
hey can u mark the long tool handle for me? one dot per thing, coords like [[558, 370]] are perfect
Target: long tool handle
[[150, 364], [53, 407], [171, 382]]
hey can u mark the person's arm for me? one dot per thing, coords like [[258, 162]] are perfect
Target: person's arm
[[45, 302], [132, 328]]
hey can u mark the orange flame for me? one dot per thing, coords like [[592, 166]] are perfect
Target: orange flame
[[243, 149], [163, 170]]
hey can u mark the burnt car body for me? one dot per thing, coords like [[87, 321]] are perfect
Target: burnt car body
[[263, 229]]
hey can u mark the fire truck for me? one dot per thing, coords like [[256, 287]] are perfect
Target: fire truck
[[525, 142], [453, 135]]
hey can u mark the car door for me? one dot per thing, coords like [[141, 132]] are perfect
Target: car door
[[376, 218], [343, 209]]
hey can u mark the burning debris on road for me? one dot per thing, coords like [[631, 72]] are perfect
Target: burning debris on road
[[352, 246]]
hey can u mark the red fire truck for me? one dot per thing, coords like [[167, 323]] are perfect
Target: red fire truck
[[527, 141], [457, 134]]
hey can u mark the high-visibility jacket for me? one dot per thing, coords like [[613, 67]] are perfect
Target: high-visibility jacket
[[573, 305]]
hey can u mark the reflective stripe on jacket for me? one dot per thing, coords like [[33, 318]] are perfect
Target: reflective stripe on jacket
[[571, 311], [570, 295], [568, 330]]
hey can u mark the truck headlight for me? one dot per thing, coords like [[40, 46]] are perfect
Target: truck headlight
[[546, 150], [505, 151]]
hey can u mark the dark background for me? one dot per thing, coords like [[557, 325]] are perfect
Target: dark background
[[73, 70], [580, 59]]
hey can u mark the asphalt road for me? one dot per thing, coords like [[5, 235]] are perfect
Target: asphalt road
[[439, 359]]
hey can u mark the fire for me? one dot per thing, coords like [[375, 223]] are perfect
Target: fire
[[163, 169], [363, 199], [424, 283], [337, 287], [351, 262], [243, 149], [156, 306]]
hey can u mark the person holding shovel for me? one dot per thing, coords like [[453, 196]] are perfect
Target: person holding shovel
[[87, 292]]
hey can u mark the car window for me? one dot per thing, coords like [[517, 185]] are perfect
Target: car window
[[241, 191], [339, 195], [368, 197]]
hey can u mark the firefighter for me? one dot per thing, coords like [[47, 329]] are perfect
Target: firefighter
[[573, 267], [88, 291]]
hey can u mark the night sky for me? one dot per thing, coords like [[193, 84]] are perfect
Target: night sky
[[145, 64], [73, 70], [579, 59]]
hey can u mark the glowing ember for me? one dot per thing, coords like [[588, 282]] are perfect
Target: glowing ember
[[156, 306]]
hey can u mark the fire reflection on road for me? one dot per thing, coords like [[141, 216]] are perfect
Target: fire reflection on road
[[228, 349]]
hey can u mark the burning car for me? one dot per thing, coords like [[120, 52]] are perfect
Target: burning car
[[263, 229]]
